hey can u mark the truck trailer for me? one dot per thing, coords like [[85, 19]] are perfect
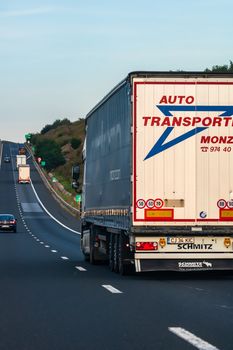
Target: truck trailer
[[158, 174], [24, 174], [20, 160]]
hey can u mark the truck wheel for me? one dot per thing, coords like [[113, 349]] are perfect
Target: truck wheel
[[93, 249], [92, 255], [124, 269], [116, 254], [86, 256], [110, 251]]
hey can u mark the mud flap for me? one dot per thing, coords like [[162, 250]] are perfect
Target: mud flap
[[183, 265]]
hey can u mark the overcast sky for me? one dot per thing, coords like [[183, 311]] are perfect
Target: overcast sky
[[58, 58]]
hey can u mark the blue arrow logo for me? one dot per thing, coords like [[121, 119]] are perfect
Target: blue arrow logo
[[161, 146]]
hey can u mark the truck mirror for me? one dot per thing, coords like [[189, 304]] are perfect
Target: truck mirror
[[75, 184], [75, 172]]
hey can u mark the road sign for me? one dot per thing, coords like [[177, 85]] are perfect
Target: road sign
[[28, 137], [78, 198], [42, 163], [221, 203], [158, 203]]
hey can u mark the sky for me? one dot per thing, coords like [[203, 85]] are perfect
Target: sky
[[59, 58]]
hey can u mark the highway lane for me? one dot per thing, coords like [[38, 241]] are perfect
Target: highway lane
[[46, 302]]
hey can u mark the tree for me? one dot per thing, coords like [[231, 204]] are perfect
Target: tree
[[221, 69], [58, 122], [51, 153], [75, 143]]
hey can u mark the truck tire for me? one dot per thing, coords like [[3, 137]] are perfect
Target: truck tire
[[86, 256], [124, 268], [110, 252], [93, 249], [116, 253]]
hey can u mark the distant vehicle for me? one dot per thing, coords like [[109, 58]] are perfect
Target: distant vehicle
[[7, 159], [24, 174], [8, 222], [75, 184], [22, 150], [20, 160], [158, 174]]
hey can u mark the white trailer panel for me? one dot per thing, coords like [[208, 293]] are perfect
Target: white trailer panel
[[182, 151], [24, 174], [20, 160]]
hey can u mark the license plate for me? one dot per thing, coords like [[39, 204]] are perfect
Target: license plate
[[5, 226], [178, 240]]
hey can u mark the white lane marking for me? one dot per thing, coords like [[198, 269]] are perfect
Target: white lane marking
[[41, 242], [47, 246], [80, 268], [64, 258], [42, 205], [54, 251], [192, 339], [31, 207], [111, 289], [38, 240]]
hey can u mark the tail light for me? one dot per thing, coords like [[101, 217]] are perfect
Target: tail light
[[227, 242], [146, 246], [12, 222], [162, 242]]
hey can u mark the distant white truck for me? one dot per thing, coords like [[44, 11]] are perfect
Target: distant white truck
[[20, 160], [24, 174]]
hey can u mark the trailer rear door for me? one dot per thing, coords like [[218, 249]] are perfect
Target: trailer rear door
[[182, 151]]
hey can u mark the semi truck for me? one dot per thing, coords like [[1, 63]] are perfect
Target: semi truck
[[20, 160], [24, 174], [158, 174]]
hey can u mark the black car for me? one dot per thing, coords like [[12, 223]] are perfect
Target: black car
[[8, 222], [7, 159]]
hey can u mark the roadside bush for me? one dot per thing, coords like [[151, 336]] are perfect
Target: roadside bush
[[51, 153], [75, 143], [63, 142], [57, 123]]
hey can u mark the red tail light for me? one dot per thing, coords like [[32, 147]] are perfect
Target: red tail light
[[146, 246], [12, 222]]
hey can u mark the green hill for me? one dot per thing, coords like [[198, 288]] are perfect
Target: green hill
[[60, 146]]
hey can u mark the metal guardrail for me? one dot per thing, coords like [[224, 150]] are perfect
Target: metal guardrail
[[48, 185]]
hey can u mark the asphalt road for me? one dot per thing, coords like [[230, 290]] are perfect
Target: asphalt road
[[50, 298]]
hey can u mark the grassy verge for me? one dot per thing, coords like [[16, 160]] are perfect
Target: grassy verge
[[67, 196]]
